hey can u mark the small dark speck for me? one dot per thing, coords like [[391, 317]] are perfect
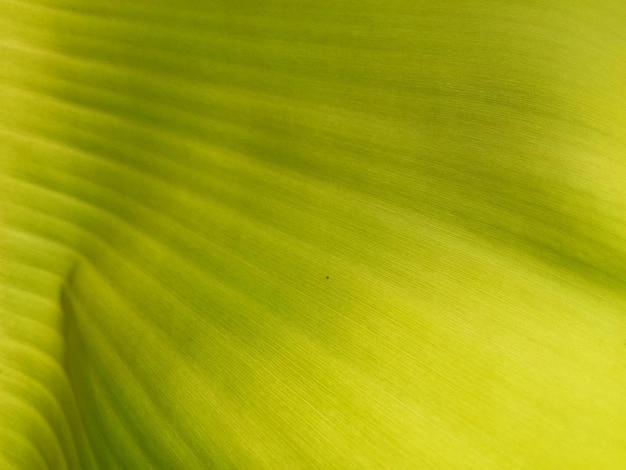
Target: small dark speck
[[327, 277]]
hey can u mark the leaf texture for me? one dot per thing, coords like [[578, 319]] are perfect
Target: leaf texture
[[293, 234]]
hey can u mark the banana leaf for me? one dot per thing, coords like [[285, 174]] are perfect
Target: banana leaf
[[312, 234]]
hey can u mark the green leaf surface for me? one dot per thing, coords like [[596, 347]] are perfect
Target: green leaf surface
[[312, 234]]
